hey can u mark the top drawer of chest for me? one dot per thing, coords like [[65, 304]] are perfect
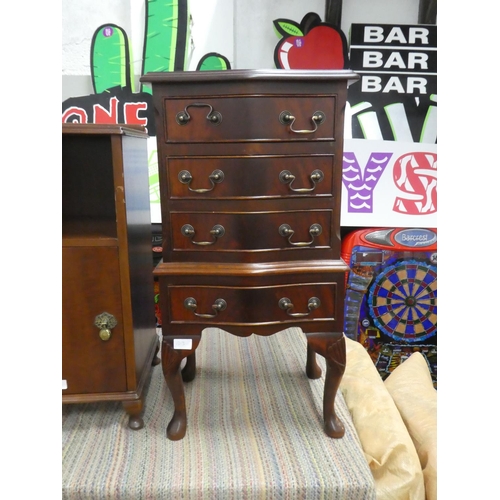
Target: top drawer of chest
[[249, 118]]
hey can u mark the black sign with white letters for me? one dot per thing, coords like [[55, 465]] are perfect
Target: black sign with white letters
[[396, 95]]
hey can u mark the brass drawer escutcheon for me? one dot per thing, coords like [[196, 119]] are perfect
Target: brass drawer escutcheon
[[213, 117], [286, 304], [287, 232], [105, 322], [217, 232], [286, 177], [217, 306], [216, 177], [286, 118]]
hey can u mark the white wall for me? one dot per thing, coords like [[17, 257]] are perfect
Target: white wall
[[240, 30], [212, 29], [80, 18], [378, 11]]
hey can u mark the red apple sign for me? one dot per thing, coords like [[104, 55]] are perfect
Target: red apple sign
[[322, 47]]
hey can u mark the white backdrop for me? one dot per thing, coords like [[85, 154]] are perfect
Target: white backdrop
[[240, 30]]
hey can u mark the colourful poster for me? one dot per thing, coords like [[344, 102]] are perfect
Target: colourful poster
[[390, 159], [389, 183]]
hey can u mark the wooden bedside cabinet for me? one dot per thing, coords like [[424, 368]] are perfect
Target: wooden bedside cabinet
[[250, 166], [109, 340]]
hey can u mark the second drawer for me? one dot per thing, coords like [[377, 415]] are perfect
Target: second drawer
[[274, 176]]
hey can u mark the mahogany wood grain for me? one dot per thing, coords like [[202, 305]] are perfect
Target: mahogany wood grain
[[229, 157]]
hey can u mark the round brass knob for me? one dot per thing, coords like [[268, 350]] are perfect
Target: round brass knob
[[105, 334], [105, 322]]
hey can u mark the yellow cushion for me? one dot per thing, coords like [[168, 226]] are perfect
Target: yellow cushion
[[386, 443], [411, 388]]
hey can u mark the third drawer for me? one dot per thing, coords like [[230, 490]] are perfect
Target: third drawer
[[251, 231]]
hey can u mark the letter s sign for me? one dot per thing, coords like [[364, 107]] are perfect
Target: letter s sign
[[415, 177]]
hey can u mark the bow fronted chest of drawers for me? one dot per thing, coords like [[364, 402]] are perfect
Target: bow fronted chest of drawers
[[250, 168]]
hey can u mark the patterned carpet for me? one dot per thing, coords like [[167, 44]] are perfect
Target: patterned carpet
[[254, 432]]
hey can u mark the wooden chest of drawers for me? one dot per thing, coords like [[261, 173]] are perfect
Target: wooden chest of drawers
[[250, 165]]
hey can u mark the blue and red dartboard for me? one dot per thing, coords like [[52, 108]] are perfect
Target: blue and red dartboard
[[403, 301]]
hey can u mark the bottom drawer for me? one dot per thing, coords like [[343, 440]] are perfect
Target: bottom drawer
[[252, 305]]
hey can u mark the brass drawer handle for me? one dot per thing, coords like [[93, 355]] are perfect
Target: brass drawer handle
[[287, 232], [218, 305], [216, 177], [105, 322], [286, 177], [217, 232], [286, 118], [286, 304], [183, 117]]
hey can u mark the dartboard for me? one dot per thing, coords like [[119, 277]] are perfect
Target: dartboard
[[403, 301]]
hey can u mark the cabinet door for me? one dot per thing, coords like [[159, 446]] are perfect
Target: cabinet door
[[91, 286]]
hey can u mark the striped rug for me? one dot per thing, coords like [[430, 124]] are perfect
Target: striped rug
[[254, 433]]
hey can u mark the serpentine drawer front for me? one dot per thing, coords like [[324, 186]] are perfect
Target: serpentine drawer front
[[240, 232], [248, 118], [272, 176], [250, 168], [246, 305]]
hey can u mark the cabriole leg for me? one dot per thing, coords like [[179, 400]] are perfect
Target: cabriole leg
[[313, 370], [332, 347], [189, 371], [171, 360]]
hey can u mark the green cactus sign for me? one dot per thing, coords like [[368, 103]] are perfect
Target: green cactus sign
[[110, 59], [165, 48]]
